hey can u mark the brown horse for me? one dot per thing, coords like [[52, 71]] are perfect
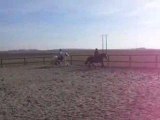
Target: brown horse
[[99, 59]]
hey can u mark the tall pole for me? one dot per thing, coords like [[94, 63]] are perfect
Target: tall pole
[[106, 44], [104, 37], [102, 43]]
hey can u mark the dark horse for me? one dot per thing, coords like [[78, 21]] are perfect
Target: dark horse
[[99, 59]]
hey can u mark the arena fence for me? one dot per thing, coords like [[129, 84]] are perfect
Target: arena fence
[[142, 61]]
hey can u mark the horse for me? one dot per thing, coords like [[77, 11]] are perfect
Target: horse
[[98, 59], [61, 59]]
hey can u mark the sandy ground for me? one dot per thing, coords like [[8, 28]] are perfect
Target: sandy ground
[[78, 93]]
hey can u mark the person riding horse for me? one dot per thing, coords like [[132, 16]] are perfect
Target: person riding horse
[[96, 53], [97, 58], [60, 55]]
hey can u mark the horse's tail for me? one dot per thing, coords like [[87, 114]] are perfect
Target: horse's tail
[[86, 62], [89, 60]]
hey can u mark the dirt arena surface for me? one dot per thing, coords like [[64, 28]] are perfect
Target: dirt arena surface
[[77, 93]]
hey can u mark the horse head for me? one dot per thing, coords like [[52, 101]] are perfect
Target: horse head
[[66, 54]]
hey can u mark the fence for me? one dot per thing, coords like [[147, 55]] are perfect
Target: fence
[[135, 60], [24, 60], [145, 60]]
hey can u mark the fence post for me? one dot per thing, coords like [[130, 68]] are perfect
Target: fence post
[[108, 61], [24, 61], [43, 60], [1, 62], [156, 65], [71, 59], [130, 60]]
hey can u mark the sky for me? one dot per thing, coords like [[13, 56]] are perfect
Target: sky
[[54, 24]]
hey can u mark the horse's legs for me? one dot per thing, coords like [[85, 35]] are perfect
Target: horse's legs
[[95, 66], [89, 65], [56, 62], [102, 64], [64, 61], [86, 62]]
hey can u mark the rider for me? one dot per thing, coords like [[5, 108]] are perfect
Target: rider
[[60, 55], [96, 53]]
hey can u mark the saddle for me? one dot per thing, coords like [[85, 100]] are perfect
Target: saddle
[[96, 58], [60, 58]]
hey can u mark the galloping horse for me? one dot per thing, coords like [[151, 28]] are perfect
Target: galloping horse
[[99, 59], [61, 59]]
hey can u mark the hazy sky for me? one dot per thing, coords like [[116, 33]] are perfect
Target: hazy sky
[[51, 24]]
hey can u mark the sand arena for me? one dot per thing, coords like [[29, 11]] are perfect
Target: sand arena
[[77, 93]]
